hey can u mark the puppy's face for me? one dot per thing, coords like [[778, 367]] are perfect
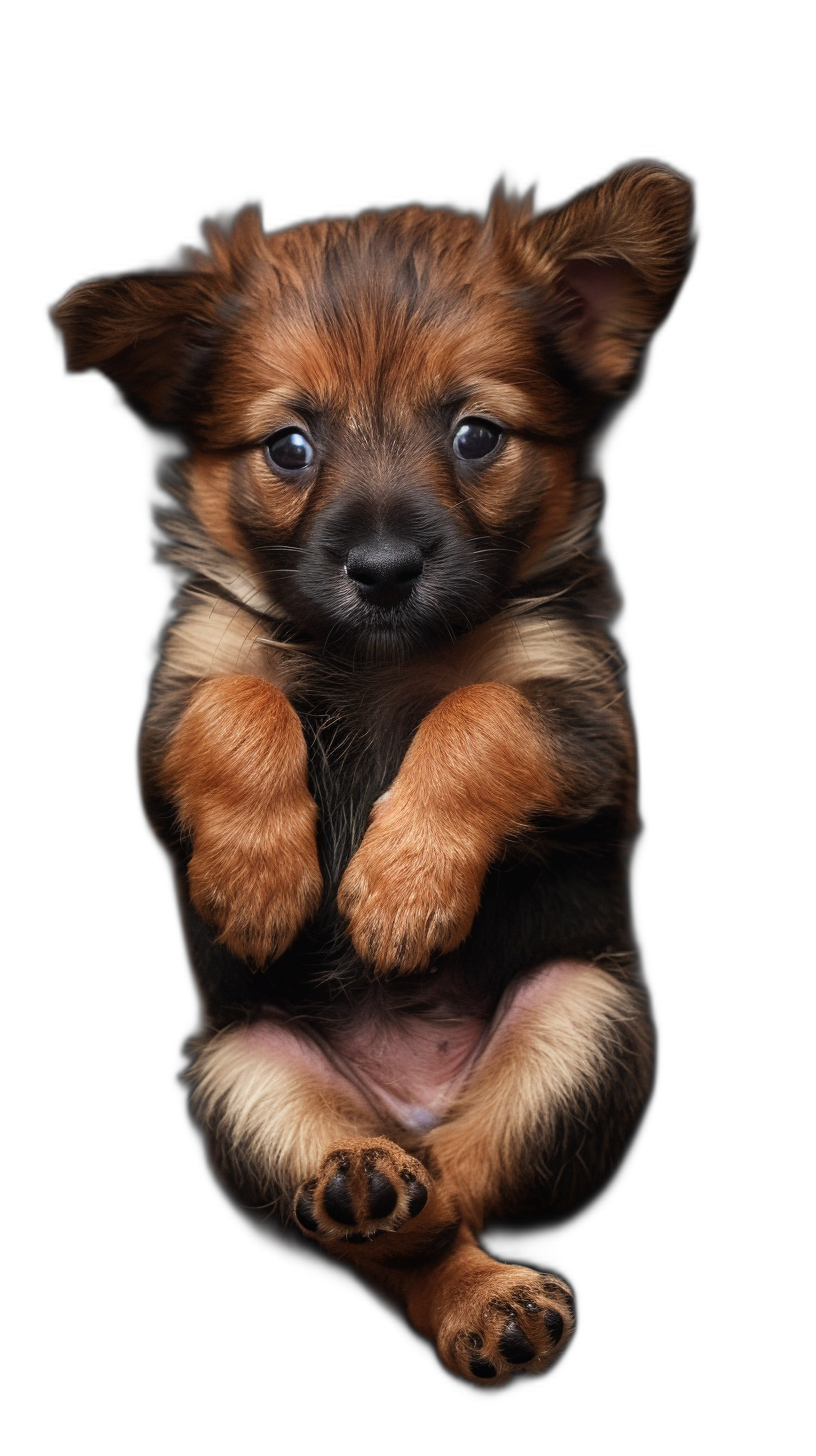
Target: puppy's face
[[385, 414], [392, 432]]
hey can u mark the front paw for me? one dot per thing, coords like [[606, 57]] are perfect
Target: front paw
[[408, 895], [260, 885]]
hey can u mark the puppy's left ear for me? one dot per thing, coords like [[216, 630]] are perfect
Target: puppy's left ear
[[609, 265]]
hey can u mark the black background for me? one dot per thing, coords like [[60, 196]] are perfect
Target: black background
[[191, 1314]]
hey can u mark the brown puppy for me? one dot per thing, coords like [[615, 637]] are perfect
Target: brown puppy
[[387, 742]]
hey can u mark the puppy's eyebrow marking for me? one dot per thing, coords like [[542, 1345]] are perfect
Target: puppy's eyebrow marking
[[495, 396], [279, 407]]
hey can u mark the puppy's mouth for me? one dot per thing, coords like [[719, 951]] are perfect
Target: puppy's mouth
[[389, 619], [375, 585], [367, 612]]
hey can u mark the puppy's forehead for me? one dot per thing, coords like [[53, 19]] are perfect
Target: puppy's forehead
[[384, 316]]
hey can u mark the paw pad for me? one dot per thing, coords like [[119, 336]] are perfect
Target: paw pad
[[363, 1190], [515, 1327]]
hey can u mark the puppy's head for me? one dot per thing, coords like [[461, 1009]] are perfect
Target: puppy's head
[[385, 414]]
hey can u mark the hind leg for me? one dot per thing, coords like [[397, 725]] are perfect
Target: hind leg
[[542, 1121], [270, 1104], [292, 1136], [489, 1320], [553, 1100]]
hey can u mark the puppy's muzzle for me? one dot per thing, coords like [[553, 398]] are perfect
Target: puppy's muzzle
[[385, 572]]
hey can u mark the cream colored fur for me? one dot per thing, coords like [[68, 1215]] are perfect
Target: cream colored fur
[[274, 1106], [270, 1097], [548, 1055]]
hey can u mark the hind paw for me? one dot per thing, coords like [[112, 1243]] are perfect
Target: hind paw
[[367, 1187], [506, 1321]]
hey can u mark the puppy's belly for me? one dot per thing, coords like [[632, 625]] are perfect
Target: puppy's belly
[[412, 1066], [409, 1066]]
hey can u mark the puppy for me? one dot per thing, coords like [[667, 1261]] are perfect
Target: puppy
[[387, 742]]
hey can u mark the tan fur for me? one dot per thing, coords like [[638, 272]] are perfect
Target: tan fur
[[518, 648], [549, 1058], [215, 638], [277, 1111], [236, 769]]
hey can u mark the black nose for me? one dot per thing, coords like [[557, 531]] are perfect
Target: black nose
[[385, 572]]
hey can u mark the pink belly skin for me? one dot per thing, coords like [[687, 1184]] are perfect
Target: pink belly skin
[[410, 1066]]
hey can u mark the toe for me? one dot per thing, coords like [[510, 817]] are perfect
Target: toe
[[337, 1198], [382, 1195], [514, 1344], [304, 1208]]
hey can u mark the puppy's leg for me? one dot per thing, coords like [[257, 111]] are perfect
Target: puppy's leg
[[488, 1320], [551, 1104], [541, 1122], [477, 769], [271, 1105], [236, 770], [290, 1134]]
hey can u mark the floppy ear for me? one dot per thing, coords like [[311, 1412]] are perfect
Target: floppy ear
[[154, 333], [611, 262]]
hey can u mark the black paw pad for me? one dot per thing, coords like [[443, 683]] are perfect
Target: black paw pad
[[483, 1369], [304, 1210], [514, 1344], [555, 1324], [337, 1199], [417, 1199], [417, 1194], [382, 1195]]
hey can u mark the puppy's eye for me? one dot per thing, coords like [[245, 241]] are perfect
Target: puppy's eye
[[289, 451], [476, 439]]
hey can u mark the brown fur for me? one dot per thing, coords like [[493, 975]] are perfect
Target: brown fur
[[402, 822], [478, 1310], [413, 887], [237, 758]]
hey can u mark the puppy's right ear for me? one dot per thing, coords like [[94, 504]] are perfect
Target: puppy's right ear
[[151, 333], [154, 334]]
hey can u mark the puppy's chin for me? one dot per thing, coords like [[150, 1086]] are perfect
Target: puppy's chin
[[365, 634]]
